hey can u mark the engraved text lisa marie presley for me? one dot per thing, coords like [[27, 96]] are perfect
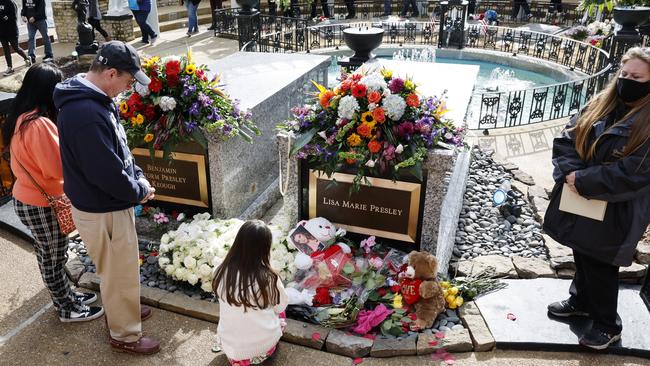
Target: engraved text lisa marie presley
[[362, 207]]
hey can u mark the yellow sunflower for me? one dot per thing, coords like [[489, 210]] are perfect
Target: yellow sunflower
[[133, 121], [148, 137], [190, 69], [139, 119], [124, 108], [368, 118]]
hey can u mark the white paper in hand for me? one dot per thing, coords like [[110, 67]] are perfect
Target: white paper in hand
[[576, 204]]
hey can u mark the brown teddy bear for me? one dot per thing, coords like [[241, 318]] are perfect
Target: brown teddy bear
[[420, 286]]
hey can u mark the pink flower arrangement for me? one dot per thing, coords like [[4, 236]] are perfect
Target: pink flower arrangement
[[368, 319], [160, 218]]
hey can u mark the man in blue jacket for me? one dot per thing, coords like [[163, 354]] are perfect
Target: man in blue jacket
[[103, 184], [33, 13]]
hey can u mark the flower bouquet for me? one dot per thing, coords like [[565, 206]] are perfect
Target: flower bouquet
[[371, 123], [179, 103], [191, 252]]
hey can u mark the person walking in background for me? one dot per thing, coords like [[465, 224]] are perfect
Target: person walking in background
[[387, 8], [218, 4], [9, 34], [352, 12], [251, 296], [192, 19], [104, 184], [140, 10], [33, 13], [94, 19], [519, 4], [324, 5], [604, 154], [414, 8], [30, 133]]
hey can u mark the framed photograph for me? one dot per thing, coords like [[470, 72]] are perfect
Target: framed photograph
[[305, 241]]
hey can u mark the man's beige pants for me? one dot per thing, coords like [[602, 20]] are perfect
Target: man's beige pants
[[112, 244]]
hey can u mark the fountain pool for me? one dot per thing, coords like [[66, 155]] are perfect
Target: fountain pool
[[490, 74]]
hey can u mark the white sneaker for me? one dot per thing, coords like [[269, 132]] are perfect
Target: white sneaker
[[28, 62], [89, 313], [8, 72], [153, 40], [48, 59]]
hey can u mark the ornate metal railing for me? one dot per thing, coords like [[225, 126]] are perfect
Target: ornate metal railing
[[541, 11], [517, 107]]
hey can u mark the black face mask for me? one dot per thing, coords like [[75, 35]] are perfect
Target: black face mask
[[631, 90]]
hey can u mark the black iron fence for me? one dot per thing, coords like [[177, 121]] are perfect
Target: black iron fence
[[508, 11], [498, 109]]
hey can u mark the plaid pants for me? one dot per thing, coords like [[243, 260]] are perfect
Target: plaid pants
[[51, 248]]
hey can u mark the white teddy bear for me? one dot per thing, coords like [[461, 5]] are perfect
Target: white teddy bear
[[325, 232]]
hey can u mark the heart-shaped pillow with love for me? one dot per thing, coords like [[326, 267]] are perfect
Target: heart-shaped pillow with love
[[410, 289]]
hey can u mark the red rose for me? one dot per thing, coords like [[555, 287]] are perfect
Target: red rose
[[379, 115], [374, 146], [172, 80], [413, 316], [412, 100], [172, 67], [364, 130], [395, 288], [345, 85], [374, 97], [359, 90], [322, 297], [150, 112], [381, 292], [155, 85]]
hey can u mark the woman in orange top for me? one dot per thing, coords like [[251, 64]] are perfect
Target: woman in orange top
[[31, 135]]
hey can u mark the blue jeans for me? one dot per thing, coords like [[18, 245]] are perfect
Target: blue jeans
[[141, 18], [193, 22], [387, 10], [41, 27]]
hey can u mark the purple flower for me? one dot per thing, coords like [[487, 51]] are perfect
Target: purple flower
[[204, 100], [188, 90], [194, 109], [227, 129], [389, 153], [190, 126], [214, 114], [423, 127], [405, 129], [396, 85]]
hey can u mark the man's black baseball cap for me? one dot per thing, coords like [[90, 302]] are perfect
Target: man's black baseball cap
[[122, 56]]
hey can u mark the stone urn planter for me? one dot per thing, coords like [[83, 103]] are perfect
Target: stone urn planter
[[362, 41], [630, 18], [247, 6]]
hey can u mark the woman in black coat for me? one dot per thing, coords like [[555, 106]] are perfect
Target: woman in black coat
[[604, 154], [9, 34]]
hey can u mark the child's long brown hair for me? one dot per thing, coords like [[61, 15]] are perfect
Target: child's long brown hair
[[248, 264]]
